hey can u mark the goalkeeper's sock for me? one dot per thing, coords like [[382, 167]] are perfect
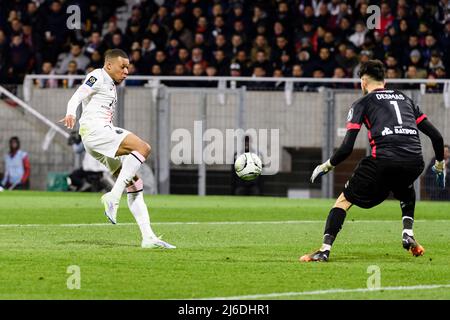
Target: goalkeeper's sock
[[333, 225], [130, 166], [408, 217], [138, 208]]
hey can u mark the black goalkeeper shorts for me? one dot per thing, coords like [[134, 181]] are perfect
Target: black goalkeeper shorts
[[373, 180]]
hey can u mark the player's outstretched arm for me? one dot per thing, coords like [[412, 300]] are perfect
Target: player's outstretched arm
[[438, 146], [82, 93], [340, 155]]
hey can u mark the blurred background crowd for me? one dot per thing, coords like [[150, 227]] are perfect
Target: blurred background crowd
[[290, 38]]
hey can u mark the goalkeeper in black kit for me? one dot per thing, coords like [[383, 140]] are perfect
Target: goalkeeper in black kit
[[393, 122]]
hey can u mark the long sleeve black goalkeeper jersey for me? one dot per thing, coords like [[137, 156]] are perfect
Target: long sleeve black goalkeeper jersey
[[393, 122]]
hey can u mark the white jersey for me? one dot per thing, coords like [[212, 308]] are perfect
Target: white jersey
[[100, 137], [98, 96]]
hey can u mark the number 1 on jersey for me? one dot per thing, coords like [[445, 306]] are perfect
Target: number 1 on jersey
[[397, 111]]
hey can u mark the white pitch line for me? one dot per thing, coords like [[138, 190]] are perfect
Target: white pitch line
[[320, 292], [72, 225]]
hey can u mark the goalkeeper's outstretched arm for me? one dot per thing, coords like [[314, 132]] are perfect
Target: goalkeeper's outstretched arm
[[346, 148], [340, 155], [435, 136], [438, 146]]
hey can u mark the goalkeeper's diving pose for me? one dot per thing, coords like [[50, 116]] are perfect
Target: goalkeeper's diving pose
[[121, 151], [393, 122]]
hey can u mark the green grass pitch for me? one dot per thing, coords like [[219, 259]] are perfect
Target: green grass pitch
[[227, 247]]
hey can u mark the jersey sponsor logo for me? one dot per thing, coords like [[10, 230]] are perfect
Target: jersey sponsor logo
[[90, 82], [386, 131], [381, 96], [350, 115], [401, 130]]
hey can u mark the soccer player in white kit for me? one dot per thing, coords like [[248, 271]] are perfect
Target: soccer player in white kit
[[121, 151]]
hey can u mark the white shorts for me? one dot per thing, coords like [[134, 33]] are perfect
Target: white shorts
[[103, 142]]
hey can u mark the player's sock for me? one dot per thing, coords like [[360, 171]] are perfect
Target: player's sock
[[408, 217], [334, 224], [139, 209], [130, 166]]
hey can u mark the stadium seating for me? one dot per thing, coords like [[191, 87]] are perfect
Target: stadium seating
[[260, 38]]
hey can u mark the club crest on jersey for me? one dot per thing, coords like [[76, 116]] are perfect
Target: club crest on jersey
[[90, 82]]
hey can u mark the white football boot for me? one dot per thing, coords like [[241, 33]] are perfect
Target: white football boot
[[153, 243], [111, 206]]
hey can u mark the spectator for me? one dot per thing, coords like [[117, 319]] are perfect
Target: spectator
[[111, 31], [415, 59], [358, 37], [236, 44], [74, 55], [339, 73], [131, 72], [161, 60], [297, 72], [181, 33], [326, 62], [148, 47], [393, 73], [364, 56], [47, 69], [435, 62], [55, 26], [157, 35], [220, 43], [197, 57], [72, 69], [244, 62], [96, 60], [183, 57], [221, 63], [412, 73], [235, 70], [260, 43], [17, 167], [263, 61], [20, 62], [95, 43], [119, 41]]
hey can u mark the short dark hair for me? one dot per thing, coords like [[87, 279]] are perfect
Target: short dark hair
[[114, 53], [16, 139], [373, 69]]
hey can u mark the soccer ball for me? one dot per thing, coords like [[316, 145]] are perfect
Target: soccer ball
[[248, 166]]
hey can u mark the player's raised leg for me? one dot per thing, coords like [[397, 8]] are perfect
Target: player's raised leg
[[136, 152], [334, 223], [137, 206]]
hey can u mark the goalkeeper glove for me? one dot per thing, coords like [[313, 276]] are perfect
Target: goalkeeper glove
[[439, 170], [321, 169]]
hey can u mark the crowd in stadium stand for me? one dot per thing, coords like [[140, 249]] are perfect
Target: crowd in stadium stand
[[290, 38]]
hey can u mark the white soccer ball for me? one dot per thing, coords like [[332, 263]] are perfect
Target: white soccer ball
[[248, 166]]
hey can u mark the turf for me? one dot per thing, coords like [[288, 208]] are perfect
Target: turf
[[42, 234]]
